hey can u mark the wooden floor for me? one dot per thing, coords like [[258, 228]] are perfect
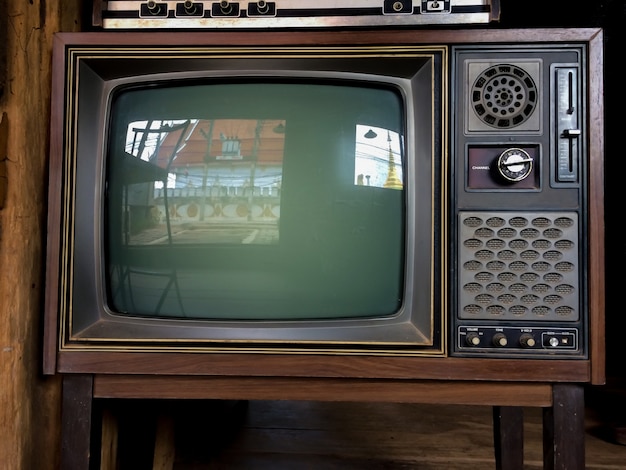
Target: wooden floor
[[276, 435]]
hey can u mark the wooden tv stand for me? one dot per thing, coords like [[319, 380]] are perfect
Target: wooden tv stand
[[102, 358], [562, 403]]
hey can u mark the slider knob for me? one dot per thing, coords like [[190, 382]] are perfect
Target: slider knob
[[499, 340]]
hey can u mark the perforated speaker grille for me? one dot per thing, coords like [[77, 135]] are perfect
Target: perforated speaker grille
[[504, 96], [518, 266]]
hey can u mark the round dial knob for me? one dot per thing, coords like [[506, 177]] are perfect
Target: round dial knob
[[527, 340], [499, 339], [472, 339], [515, 164]]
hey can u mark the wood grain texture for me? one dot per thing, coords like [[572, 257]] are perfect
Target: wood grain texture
[[76, 422], [335, 37], [109, 440], [233, 365], [29, 405], [508, 436], [287, 435], [281, 388], [597, 188], [564, 443]]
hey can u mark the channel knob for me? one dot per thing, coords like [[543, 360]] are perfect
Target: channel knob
[[515, 164]]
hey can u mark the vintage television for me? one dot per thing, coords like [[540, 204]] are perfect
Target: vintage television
[[389, 204]]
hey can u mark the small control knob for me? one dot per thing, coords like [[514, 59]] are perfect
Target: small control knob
[[226, 7], [515, 164], [153, 8], [499, 340], [189, 8], [527, 340], [391, 7], [263, 7], [472, 339]]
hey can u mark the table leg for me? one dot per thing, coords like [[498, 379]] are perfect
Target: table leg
[[508, 433], [564, 429], [76, 421]]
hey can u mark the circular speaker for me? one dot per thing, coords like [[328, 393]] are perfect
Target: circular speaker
[[504, 96]]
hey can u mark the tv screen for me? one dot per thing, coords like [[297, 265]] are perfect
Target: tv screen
[[259, 199]]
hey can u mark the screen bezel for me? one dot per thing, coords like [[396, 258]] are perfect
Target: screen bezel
[[92, 75]]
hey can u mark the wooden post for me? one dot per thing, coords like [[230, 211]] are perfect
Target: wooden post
[[29, 403], [564, 429], [76, 421], [508, 432], [164, 448], [109, 441]]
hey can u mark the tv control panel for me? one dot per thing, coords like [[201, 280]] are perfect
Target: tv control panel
[[496, 338], [224, 14], [519, 227]]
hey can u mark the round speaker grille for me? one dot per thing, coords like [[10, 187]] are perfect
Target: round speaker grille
[[504, 96]]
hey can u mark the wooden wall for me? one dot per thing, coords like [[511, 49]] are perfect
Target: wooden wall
[[29, 403]]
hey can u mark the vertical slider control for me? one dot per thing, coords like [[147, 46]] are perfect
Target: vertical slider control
[[567, 130]]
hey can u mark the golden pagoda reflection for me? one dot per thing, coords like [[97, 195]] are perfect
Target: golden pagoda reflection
[[393, 181]]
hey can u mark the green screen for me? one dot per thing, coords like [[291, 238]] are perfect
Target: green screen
[[256, 201]]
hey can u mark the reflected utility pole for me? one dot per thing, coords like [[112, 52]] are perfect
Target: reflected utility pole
[[255, 154], [207, 158]]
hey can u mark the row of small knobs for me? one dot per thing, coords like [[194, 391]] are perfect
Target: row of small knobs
[[500, 340], [225, 6]]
